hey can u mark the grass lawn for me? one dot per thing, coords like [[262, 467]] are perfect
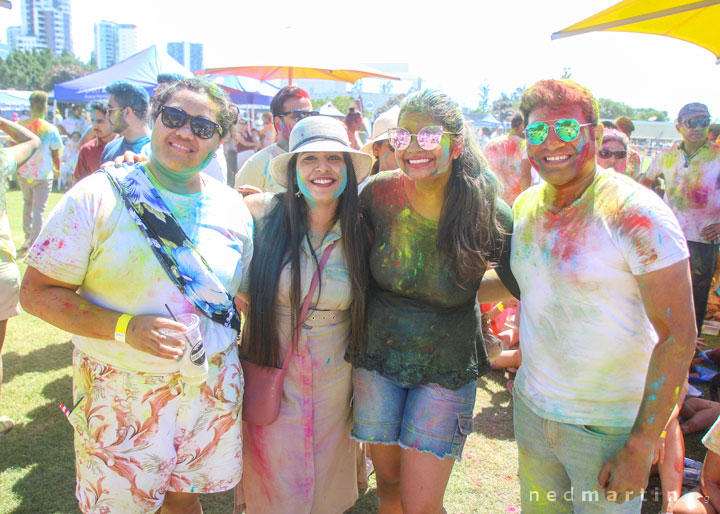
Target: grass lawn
[[36, 458]]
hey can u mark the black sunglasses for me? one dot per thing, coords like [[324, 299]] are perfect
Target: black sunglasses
[[697, 122], [299, 115], [606, 154], [174, 118]]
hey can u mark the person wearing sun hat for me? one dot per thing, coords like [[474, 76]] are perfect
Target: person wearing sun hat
[[379, 147], [305, 461]]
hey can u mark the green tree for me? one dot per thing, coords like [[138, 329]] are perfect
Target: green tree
[[502, 108], [392, 102], [610, 109], [39, 69], [484, 100], [341, 103]]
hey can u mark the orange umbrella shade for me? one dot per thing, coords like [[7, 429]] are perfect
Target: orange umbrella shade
[[290, 72], [696, 22]]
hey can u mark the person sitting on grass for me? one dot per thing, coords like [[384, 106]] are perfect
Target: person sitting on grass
[[669, 458], [698, 414], [705, 500]]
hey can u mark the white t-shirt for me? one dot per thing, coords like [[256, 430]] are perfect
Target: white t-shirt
[[692, 188], [712, 438], [217, 167], [256, 170], [91, 240], [586, 338]]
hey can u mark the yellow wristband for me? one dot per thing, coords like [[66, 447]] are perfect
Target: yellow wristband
[[500, 307], [121, 327], [664, 433]]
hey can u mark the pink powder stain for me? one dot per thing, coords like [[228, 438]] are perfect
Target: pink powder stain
[[638, 221], [699, 196]]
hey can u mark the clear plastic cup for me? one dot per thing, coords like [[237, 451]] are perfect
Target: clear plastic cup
[[193, 363]]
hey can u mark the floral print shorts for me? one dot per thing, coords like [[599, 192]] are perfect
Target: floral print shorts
[[138, 435]]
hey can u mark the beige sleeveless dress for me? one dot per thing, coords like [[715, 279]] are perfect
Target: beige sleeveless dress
[[305, 462]]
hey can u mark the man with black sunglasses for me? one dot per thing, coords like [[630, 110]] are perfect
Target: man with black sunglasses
[[290, 105], [691, 170]]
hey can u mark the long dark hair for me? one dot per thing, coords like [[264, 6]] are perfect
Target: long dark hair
[[468, 227], [278, 240]]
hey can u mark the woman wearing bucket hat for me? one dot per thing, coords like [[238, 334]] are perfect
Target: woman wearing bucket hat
[[380, 147], [305, 461], [438, 224]]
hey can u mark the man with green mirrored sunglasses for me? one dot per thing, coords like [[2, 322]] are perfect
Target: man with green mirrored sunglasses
[[606, 342], [691, 170]]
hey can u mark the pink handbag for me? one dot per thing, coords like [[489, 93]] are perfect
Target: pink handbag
[[263, 384]]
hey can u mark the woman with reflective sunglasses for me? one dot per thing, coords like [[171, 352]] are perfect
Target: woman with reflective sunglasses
[[438, 225], [147, 438], [613, 154], [305, 462]]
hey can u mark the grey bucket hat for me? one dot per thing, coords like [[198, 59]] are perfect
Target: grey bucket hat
[[319, 134]]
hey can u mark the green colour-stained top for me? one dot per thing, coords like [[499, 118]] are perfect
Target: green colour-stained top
[[423, 325]]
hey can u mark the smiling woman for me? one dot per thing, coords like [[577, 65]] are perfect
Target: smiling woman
[[305, 460], [438, 225], [121, 248]]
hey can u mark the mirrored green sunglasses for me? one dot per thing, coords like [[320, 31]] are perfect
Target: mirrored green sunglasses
[[568, 130]]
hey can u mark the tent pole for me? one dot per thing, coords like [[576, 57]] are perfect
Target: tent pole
[[54, 110]]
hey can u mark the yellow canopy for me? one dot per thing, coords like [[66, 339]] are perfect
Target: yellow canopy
[[697, 22]]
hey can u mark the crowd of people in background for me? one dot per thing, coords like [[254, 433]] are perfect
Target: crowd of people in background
[[438, 251]]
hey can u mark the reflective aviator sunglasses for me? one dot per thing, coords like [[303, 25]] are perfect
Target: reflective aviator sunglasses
[[174, 118], [428, 138], [696, 123], [567, 130]]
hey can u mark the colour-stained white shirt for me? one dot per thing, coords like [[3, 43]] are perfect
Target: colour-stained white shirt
[[712, 438], [256, 170], [585, 335], [40, 166], [91, 240], [692, 186], [505, 155], [72, 125]]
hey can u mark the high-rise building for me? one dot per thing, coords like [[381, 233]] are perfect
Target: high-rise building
[[188, 54], [44, 24], [114, 42], [127, 41]]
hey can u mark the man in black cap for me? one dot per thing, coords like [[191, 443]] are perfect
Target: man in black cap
[[691, 170]]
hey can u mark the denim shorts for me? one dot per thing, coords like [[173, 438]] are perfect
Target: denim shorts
[[427, 418]]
